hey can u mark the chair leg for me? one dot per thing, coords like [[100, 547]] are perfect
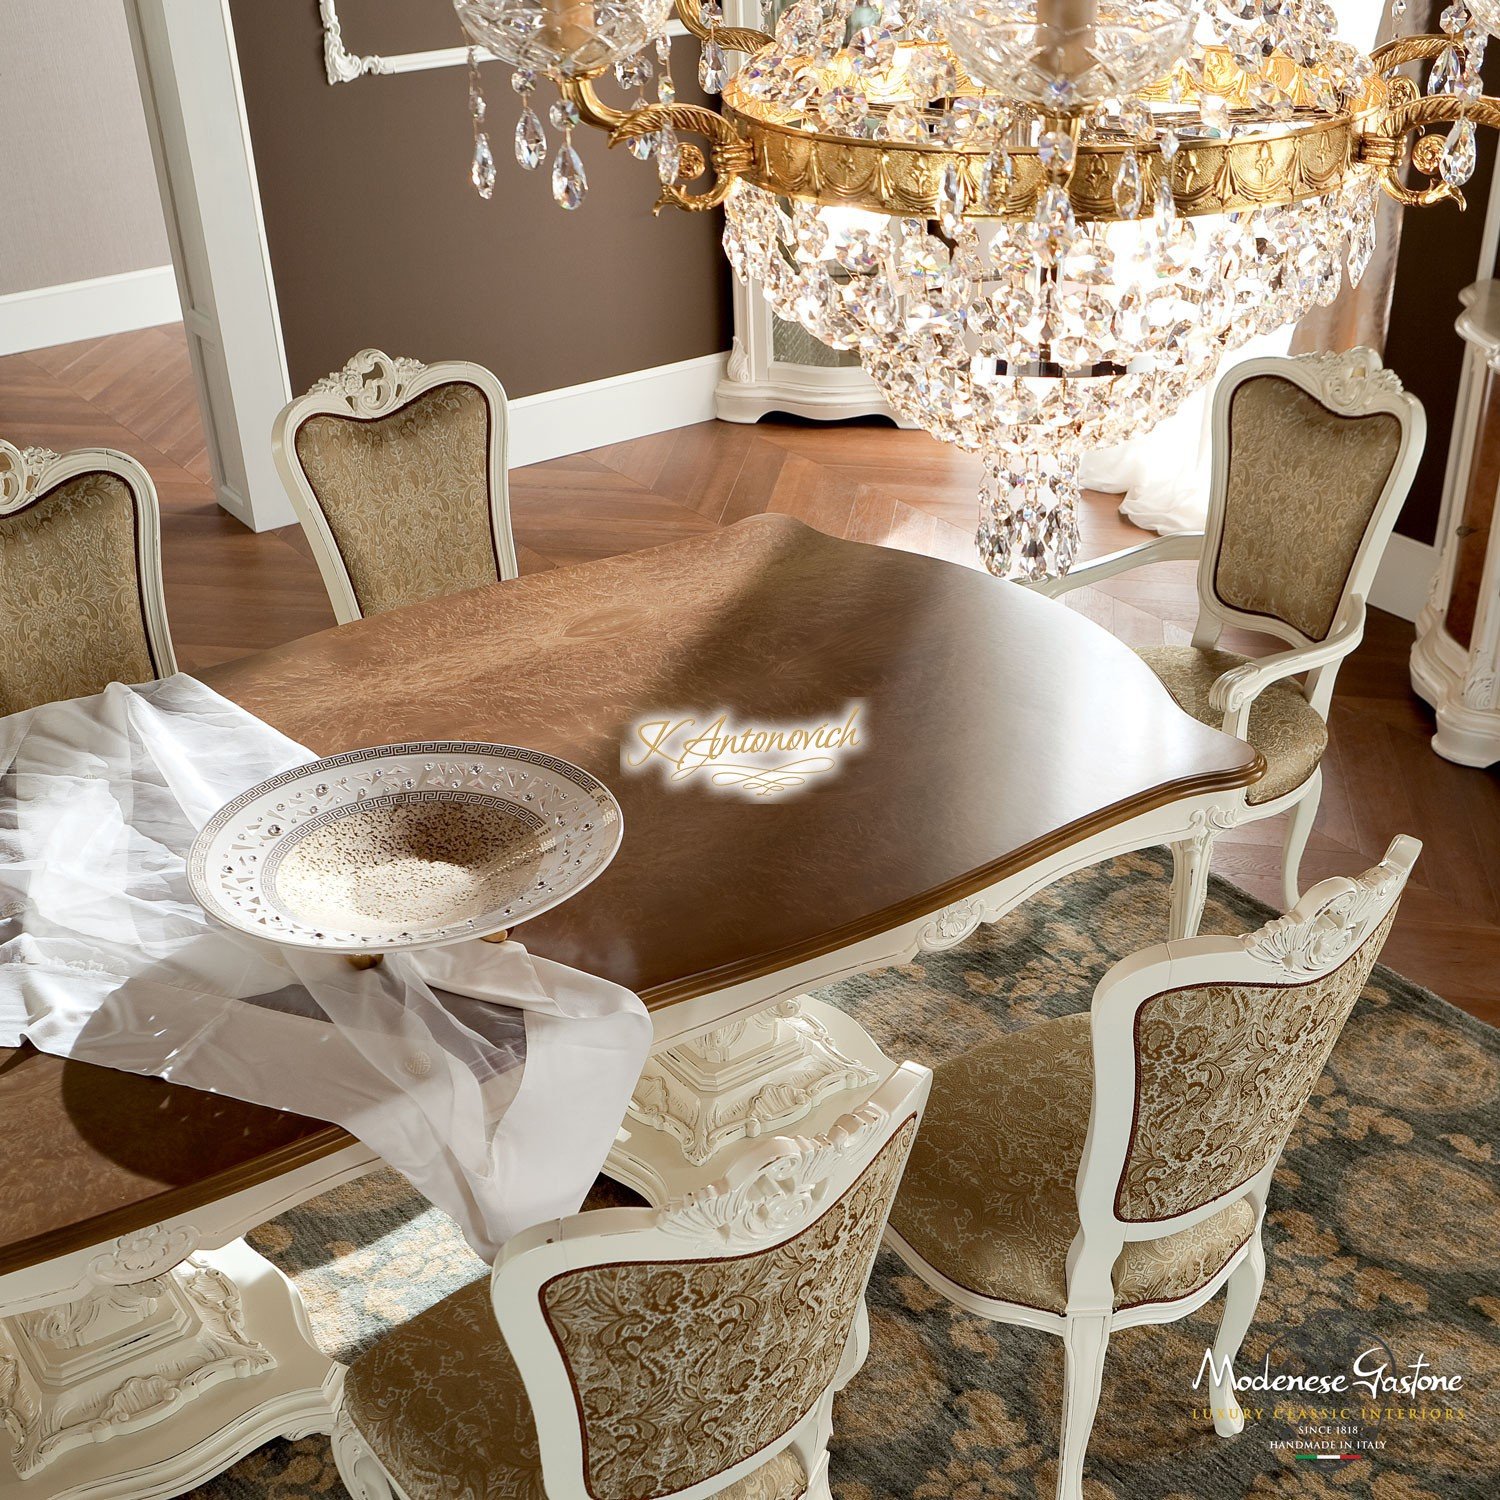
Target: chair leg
[[1241, 1298], [1084, 1342], [1190, 862], [1297, 833], [856, 1350], [811, 1447]]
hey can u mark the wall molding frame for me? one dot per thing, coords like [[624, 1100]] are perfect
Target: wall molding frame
[[89, 309], [344, 65]]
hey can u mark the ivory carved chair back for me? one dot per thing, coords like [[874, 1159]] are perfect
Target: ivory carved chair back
[[684, 1352], [1312, 459], [1110, 1169], [397, 472], [81, 601]]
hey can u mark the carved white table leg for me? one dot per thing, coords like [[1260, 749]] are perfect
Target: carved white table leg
[[163, 1369], [1191, 858], [790, 1064]]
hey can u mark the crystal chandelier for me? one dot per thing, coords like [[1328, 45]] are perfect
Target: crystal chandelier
[[1039, 223]]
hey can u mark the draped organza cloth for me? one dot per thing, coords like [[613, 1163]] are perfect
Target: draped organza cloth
[[494, 1080]]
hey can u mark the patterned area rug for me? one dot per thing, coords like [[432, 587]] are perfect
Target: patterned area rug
[[1383, 1233]]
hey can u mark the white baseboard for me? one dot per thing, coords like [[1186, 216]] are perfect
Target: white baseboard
[[576, 418], [89, 309], [1405, 575]]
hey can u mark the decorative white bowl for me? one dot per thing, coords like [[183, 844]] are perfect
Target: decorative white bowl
[[404, 846]]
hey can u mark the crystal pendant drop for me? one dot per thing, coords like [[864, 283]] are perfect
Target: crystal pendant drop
[[1056, 151], [666, 90], [1459, 155], [1213, 110], [482, 169], [641, 146], [1127, 188], [632, 72], [950, 198], [1055, 226], [1166, 205], [995, 181], [569, 184], [1447, 73], [531, 142], [1361, 247], [713, 74], [668, 155]]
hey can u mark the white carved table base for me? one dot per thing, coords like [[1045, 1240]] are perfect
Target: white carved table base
[[217, 1341], [790, 1061], [799, 1062]]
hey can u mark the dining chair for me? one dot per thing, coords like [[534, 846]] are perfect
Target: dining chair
[[1110, 1169], [641, 1353], [81, 601], [1312, 459], [397, 472]]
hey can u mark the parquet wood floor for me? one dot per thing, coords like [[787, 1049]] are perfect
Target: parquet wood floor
[[230, 592]]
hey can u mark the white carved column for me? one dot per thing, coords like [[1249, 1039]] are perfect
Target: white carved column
[[1455, 662]]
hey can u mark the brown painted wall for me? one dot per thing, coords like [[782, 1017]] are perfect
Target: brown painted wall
[[1438, 258], [377, 238]]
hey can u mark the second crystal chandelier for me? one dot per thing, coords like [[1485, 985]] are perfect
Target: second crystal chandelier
[[1040, 223]]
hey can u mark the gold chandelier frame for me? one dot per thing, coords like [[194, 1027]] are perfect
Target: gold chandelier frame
[[1286, 162]]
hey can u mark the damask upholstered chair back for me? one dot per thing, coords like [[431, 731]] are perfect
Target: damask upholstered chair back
[[1206, 1051], [677, 1353], [81, 601], [397, 472], [1313, 457], [1109, 1169]]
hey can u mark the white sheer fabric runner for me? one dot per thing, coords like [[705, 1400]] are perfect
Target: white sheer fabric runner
[[493, 1080]]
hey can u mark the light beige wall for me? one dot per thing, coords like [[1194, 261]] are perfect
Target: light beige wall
[[75, 165]]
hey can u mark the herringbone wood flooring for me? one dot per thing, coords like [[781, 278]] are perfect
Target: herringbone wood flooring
[[230, 592]]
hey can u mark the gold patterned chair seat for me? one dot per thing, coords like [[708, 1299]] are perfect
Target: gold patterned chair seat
[[1284, 726], [442, 1404], [988, 1197]]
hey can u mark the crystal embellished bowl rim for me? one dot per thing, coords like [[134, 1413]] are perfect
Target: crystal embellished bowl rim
[[232, 865]]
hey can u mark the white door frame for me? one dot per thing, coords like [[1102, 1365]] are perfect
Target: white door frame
[[200, 140]]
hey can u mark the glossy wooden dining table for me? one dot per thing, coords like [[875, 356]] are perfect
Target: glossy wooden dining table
[[1003, 741]]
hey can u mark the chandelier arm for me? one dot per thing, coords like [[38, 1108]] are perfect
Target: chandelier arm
[[734, 38], [728, 155], [1380, 145], [1436, 109], [1408, 49], [592, 110]]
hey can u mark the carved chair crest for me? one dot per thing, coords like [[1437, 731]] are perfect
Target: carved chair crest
[[777, 1198], [1348, 382], [21, 474], [1312, 942], [371, 383]]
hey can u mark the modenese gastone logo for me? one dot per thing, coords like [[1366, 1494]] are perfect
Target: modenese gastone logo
[[1370, 1372]]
